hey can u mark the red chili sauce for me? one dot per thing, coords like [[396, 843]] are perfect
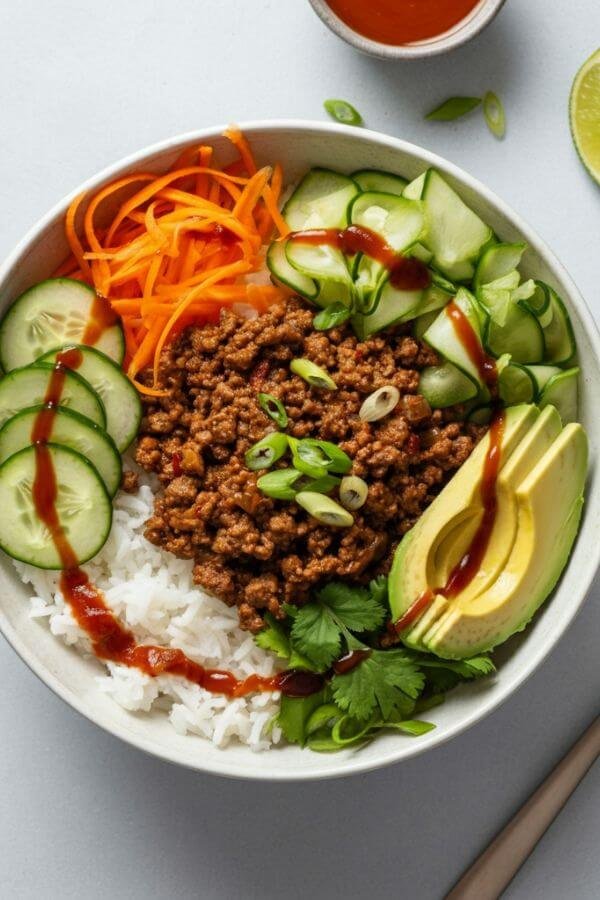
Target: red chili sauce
[[467, 567], [406, 272], [401, 21], [110, 639]]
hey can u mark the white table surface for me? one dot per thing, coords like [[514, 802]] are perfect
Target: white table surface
[[82, 815]]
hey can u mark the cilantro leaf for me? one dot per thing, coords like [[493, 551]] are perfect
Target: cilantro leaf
[[378, 589], [295, 712], [355, 607], [274, 637], [387, 679], [316, 634]]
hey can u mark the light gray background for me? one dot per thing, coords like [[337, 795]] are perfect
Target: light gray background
[[83, 83]]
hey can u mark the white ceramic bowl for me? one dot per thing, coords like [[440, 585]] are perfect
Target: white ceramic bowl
[[300, 145], [474, 22]]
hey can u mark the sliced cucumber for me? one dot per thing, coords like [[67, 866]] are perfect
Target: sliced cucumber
[[520, 335], [420, 252], [422, 323], [498, 260], [559, 339], [446, 385], [121, 401], [321, 200], [53, 312], [542, 375], [391, 306], [70, 430], [414, 189], [318, 261], [335, 292], [442, 335], [456, 235], [561, 391], [539, 302], [516, 385], [400, 222], [285, 273], [480, 415], [82, 504], [28, 386], [374, 180]]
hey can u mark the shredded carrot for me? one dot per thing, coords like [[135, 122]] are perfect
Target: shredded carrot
[[178, 248]]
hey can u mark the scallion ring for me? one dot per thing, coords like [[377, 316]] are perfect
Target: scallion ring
[[312, 374], [379, 403], [353, 492], [307, 459], [324, 509], [265, 452], [279, 484], [274, 408], [493, 112], [343, 112]]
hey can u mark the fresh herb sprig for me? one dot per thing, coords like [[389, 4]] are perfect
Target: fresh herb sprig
[[387, 689]]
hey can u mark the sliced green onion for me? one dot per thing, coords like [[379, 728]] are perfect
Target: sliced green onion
[[379, 403], [324, 509], [312, 374], [414, 727], [453, 108], [266, 451], [493, 112], [333, 315], [353, 492], [358, 731], [273, 408], [308, 460], [319, 485], [279, 484], [338, 460], [322, 742], [343, 112]]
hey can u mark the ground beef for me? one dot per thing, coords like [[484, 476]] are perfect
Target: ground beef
[[255, 552]]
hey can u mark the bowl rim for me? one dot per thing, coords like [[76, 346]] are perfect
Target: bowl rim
[[474, 23], [353, 765]]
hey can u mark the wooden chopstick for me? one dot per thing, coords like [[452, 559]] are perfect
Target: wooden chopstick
[[492, 872]]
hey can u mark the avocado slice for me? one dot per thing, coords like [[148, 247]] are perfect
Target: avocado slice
[[414, 567], [549, 504], [529, 451]]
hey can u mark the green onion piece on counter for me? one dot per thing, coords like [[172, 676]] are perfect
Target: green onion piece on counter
[[379, 403], [333, 315], [324, 509], [453, 108], [493, 112], [312, 374], [274, 408], [279, 484], [266, 451], [343, 112], [353, 492]]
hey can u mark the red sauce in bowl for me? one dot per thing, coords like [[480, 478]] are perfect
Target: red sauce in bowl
[[401, 21]]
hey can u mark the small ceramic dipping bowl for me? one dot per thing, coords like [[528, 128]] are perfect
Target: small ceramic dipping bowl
[[474, 22]]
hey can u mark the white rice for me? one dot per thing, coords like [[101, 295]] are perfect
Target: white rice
[[152, 592]]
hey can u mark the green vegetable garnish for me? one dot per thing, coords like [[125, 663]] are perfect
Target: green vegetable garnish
[[353, 492], [324, 509], [343, 112], [274, 408], [266, 451], [333, 315], [453, 108], [387, 680], [312, 374], [284, 484], [493, 112], [317, 458]]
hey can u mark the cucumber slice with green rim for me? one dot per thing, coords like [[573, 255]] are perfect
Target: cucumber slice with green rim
[[442, 336], [422, 323], [53, 312], [434, 298], [335, 292], [285, 273], [559, 340], [420, 252], [121, 401], [542, 375], [480, 415], [446, 385], [28, 386], [456, 235], [70, 430], [374, 180], [538, 303], [321, 200], [520, 335], [414, 189], [318, 261], [498, 260], [392, 306], [82, 504], [516, 385], [562, 392]]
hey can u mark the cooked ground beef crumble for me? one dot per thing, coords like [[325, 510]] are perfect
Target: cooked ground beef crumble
[[256, 552]]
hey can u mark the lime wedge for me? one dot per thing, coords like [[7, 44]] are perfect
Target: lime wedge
[[584, 113]]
